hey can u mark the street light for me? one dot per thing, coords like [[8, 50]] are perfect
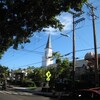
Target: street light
[[65, 35]]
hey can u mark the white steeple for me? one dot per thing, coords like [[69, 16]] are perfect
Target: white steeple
[[48, 42], [47, 58]]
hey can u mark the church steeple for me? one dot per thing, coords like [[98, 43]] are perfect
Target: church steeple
[[47, 58], [48, 45]]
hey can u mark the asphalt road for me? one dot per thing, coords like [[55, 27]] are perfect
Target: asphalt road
[[21, 97]]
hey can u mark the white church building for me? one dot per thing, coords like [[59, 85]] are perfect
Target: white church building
[[47, 58]]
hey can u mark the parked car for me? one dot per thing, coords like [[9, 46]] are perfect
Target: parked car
[[83, 94]]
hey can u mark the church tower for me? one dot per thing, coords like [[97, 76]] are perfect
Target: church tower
[[47, 58]]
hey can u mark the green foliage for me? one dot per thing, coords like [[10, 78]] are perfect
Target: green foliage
[[56, 54], [3, 69], [28, 83], [58, 61], [3, 73], [63, 65], [37, 75], [19, 19]]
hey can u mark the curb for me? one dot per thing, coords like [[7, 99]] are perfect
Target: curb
[[16, 93]]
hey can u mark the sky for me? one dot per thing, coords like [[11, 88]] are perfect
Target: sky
[[31, 54]]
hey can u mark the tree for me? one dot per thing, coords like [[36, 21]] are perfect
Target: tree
[[65, 68], [63, 65], [3, 76], [36, 76], [4, 71], [19, 19]]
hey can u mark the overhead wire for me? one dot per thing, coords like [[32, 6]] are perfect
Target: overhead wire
[[61, 56], [44, 44]]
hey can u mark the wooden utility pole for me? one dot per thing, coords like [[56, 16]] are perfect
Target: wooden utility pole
[[74, 53], [74, 40], [95, 48], [95, 43]]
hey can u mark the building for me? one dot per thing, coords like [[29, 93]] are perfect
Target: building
[[47, 58], [81, 66], [87, 64]]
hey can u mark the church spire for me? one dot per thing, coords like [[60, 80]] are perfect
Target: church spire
[[48, 42], [47, 58]]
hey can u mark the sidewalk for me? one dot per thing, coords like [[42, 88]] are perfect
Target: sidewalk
[[29, 92], [36, 91], [26, 91]]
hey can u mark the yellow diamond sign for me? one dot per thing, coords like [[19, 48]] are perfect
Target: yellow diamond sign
[[48, 74]]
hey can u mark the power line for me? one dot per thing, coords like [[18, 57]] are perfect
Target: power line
[[31, 51], [60, 56]]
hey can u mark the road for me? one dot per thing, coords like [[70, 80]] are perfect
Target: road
[[22, 97]]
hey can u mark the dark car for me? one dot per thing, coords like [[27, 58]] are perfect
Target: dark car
[[83, 94]]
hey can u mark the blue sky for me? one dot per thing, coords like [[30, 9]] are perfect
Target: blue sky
[[32, 53]]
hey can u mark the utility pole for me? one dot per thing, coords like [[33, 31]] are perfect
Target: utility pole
[[95, 43], [74, 48], [74, 40]]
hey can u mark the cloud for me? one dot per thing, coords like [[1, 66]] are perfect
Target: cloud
[[65, 19]]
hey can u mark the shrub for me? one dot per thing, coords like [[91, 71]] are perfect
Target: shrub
[[28, 83]]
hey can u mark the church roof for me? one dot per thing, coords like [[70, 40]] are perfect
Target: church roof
[[48, 45]]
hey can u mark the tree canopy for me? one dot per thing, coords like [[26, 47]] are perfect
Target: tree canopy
[[19, 19]]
